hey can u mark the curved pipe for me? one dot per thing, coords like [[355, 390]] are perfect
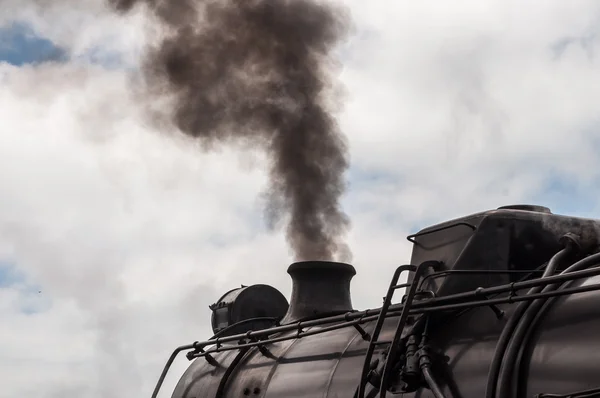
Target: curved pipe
[[425, 363], [507, 331], [161, 379], [508, 383], [225, 330], [229, 371], [505, 389], [433, 385]]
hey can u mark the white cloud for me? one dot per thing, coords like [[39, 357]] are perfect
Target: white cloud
[[126, 223], [476, 91], [131, 233]]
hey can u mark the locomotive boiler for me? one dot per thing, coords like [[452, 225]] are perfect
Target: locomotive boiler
[[499, 304]]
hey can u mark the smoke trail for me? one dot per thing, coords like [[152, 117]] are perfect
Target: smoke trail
[[260, 72]]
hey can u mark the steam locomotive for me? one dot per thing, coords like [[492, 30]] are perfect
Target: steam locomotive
[[498, 304]]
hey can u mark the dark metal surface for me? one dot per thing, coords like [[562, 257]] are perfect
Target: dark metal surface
[[592, 392], [468, 341], [411, 238], [448, 335], [536, 208], [504, 239], [323, 365], [319, 288], [238, 306]]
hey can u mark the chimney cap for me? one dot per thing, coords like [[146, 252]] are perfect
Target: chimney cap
[[319, 288], [313, 265]]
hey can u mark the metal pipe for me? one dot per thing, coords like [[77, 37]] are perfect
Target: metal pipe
[[161, 379], [508, 300], [422, 306], [441, 274], [507, 385], [449, 307], [513, 286], [511, 325], [594, 392], [395, 313], [229, 371], [433, 385]]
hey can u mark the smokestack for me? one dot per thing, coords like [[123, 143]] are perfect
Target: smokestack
[[320, 288]]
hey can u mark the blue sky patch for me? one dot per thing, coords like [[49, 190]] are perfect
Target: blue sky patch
[[563, 195], [32, 299], [9, 275], [20, 45]]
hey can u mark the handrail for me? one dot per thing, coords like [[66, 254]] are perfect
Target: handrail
[[436, 304]]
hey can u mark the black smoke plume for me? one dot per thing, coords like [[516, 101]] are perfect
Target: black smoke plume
[[260, 72]]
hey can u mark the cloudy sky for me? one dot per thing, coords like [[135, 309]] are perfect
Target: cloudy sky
[[115, 236]]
